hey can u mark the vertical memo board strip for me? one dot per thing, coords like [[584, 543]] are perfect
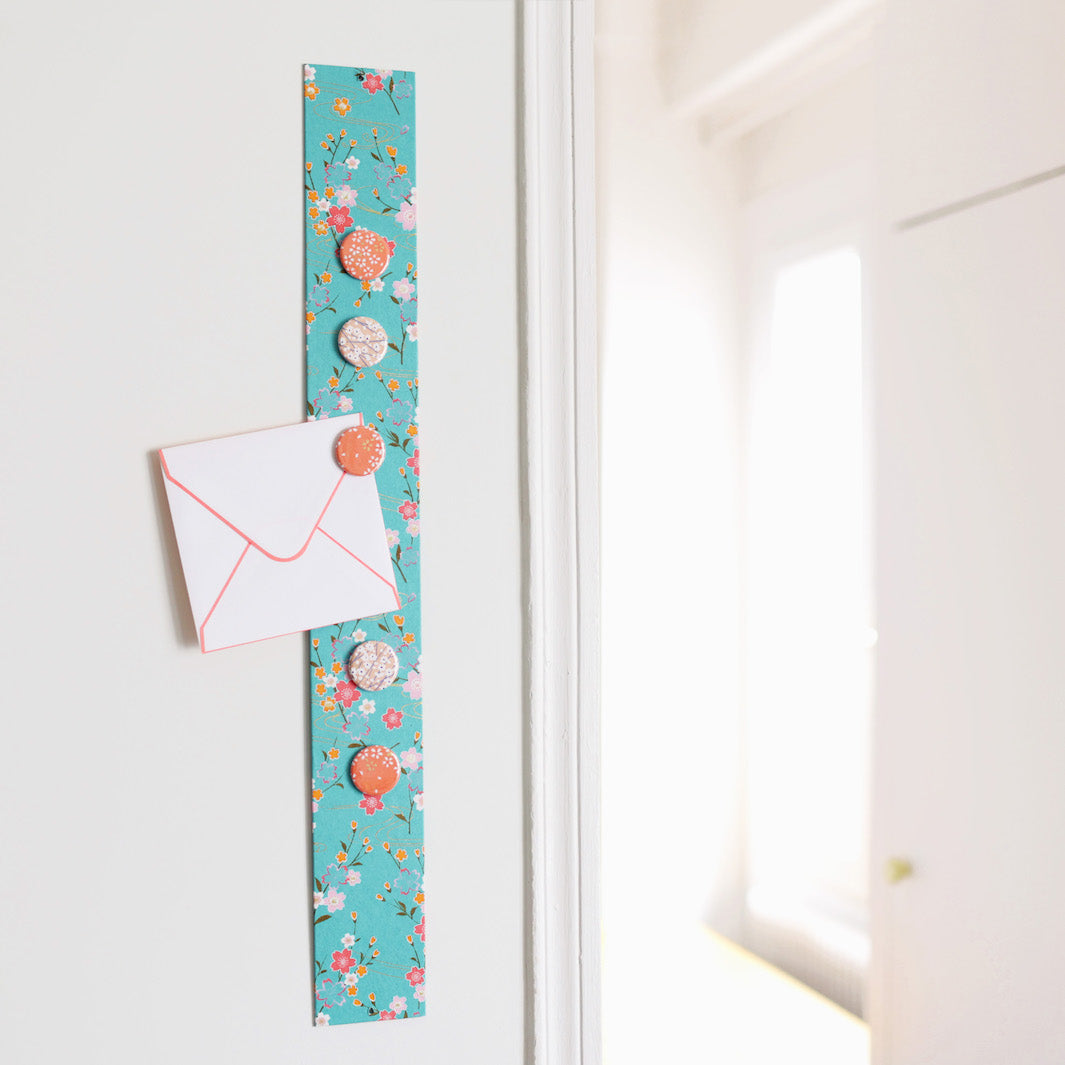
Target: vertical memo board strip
[[369, 855]]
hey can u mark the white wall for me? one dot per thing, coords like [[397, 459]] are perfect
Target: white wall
[[706, 42], [830, 129], [154, 880], [668, 391], [670, 213]]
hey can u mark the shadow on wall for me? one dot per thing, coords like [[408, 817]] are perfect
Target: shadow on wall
[[180, 608]]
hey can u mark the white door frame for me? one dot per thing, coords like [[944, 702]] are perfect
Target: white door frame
[[561, 523]]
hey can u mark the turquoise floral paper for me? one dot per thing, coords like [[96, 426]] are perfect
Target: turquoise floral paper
[[369, 853]]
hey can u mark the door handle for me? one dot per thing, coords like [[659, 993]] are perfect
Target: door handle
[[897, 869]]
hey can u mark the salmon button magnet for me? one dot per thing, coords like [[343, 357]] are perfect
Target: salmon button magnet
[[364, 254], [360, 451], [375, 770]]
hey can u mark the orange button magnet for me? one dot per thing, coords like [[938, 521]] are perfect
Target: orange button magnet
[[360, 450], [373, 666], [364, 254], [375, 770]]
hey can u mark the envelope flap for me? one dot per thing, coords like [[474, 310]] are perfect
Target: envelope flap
[[272, 486]]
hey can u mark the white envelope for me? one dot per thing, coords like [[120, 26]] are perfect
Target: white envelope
[[274, 537]]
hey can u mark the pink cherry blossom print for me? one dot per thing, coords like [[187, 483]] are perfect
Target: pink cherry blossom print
[[413, 684], [407, 216], [362, 290], [342, 960], [340, 218], [347, 693]]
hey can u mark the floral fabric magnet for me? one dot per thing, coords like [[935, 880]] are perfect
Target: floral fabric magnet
[[361, 206]]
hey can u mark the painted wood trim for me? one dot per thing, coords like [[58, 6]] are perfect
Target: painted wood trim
[[561, 521]]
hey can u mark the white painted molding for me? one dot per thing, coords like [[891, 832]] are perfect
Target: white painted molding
[[562, 530]]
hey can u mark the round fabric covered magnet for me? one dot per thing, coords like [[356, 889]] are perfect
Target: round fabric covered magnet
[[362, 341], [364, 254], [375, 770], [373, 666], [360, 450]]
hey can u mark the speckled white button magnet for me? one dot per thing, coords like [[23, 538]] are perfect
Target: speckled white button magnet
[[373, 666], [362, 341]]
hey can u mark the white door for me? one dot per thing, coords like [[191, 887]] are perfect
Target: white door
[[974, 98], [969, 965]]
